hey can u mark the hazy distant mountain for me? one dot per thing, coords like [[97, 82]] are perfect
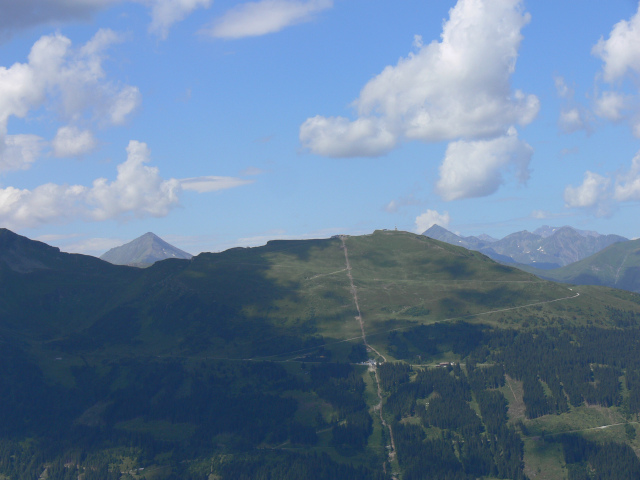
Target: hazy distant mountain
[[439, 233], [616, 266], [546, 231], [144, 251], [545, 248], [487, 238]]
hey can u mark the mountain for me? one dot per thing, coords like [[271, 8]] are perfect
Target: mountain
[[143, 251], [546, 231], [23, 255], [310, 359], [546, 248], [473, 243], [486, 238], [617, 266]]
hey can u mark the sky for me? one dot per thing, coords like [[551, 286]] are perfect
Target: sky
[[217, 124]]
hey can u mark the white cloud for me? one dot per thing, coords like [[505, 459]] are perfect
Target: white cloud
[[593, 192], [621, 56], [561, 87], [395, 205], [137, 191], [266, 16], [573, 117], [621, 51], [572, 120], [212, 183], [165, 13], [476, 169], [611, 105], [125, 102], [19, 151], [430, 218], [71, 142], [627, 186], [392, 206], [46, 203], [67, 80], [600, 193], [540, 214], [456, 88], [338, 137]]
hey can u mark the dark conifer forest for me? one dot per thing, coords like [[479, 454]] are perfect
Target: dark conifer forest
[[425, 361]]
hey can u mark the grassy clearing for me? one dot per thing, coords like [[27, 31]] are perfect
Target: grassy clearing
[[577, 419], [544, 460], [309, 406], [514, 392]]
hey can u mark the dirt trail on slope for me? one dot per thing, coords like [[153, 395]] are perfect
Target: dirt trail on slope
[[620, 268], [354, 292]]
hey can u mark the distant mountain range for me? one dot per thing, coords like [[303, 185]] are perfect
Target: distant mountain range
[[617, 266], [144, 251], [546, 248]]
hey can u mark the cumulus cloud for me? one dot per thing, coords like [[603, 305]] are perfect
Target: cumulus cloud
[[339, 137], [612, 105], [71, 142], [477, 168], [44, 204], [594, 194], [123, 103], [600, 193], [573, 117], [620, 54], [621, 51], [458, 87], [266, 16], [164, 13], [430, 218], [571, 120], [18, 15], [627, 186], [20, 151], [67, 80], [138, 191]]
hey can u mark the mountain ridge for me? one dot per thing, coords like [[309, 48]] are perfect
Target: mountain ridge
[[175, 368], [545, 248], [144, 251], [617, 266]]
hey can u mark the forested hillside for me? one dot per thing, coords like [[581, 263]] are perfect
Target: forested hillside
[[388, 355]]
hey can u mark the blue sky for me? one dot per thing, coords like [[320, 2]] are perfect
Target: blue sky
[[218, 124]]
